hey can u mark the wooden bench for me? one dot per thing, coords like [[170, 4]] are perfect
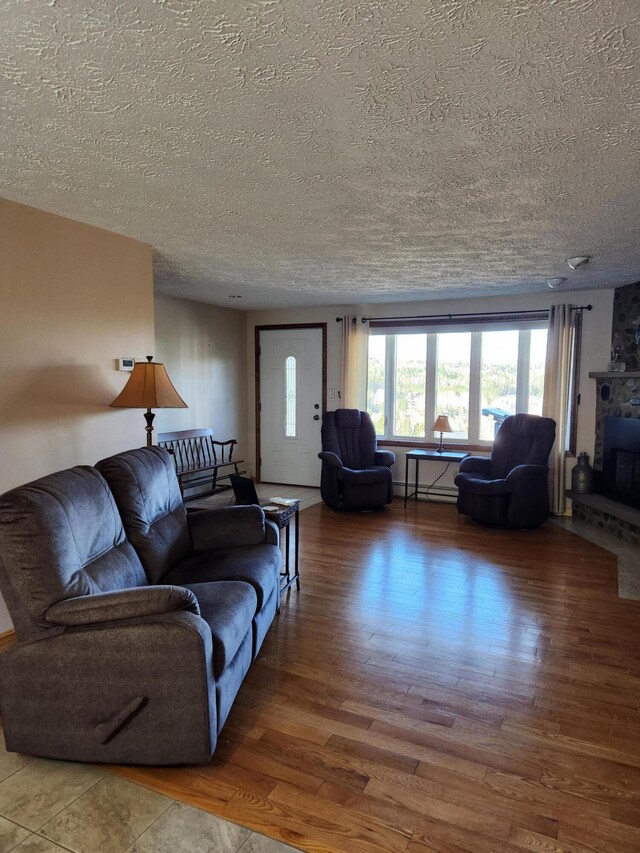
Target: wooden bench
[[201, 460]]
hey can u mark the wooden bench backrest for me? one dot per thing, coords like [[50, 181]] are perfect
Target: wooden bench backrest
[[194, 449]]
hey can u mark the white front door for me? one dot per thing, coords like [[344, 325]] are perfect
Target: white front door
[[291, 405]]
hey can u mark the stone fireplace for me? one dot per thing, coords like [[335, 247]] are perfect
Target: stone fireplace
[[615, 504], [620, 475], [619, 393]]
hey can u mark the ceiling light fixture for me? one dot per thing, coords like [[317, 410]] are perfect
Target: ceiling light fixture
[[555, 282], [580, 261]]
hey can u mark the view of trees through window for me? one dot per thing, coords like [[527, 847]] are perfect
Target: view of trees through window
[[537, 361], [375, 382], [411, 374], [476, 379], [498, 380], [452, 381]]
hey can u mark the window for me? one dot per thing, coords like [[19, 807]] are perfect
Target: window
[[375, 381], [537, 358], [498, 380], [452, 381], [290, 397], [476, 374], [410, 373]]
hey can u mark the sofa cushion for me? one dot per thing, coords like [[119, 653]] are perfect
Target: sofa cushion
[[147, 493], [62, 537], [228, 607], [258, 565], [228, 526]]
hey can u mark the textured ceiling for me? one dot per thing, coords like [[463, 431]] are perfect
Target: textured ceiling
[[322, 151]]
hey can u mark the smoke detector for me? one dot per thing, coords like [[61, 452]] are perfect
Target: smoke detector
[[555, 282], [580, 261]]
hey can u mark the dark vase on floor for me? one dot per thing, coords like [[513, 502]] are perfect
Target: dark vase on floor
[[582, 476]]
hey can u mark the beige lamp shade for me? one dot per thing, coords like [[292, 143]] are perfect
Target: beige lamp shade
[[442, 424], [149, 387]]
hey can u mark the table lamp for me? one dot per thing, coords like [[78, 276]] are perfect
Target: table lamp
[[149, 387], [441, 425]]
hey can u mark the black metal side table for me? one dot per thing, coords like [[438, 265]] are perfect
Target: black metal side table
[[447, 456], [282, 517]]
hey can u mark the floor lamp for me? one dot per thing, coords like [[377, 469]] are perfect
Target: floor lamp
[[149, 387]]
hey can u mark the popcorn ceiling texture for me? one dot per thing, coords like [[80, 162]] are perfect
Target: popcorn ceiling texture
[[334, 151]]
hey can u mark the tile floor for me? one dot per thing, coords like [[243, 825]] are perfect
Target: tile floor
[[59, 806]]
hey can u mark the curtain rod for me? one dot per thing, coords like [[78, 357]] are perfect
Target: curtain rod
[[469, 314]]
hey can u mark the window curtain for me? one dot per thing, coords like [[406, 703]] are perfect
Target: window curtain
[[555, 403], [354, 362]]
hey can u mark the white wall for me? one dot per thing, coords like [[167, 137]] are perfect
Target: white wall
[[204, 350], [596, 343]]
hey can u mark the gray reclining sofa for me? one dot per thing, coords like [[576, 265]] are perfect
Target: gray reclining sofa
[[135, 622]]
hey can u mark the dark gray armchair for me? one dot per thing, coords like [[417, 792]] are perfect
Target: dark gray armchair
[[355, 474], [510, 488]]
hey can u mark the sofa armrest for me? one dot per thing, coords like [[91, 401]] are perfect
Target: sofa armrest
[[521, 472], [226, 527], [384, 457], [77, 694], [475, 465], [330, 458], [132, 603], [271, 532]]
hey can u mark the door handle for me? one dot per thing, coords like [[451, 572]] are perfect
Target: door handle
[[316, 417]]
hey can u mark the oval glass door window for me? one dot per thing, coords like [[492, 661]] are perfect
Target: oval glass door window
[[290, 397]]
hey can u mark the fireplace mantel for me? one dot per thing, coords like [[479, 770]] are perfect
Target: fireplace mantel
[[618, 374]]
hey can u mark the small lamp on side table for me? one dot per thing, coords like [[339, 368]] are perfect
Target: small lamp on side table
[[149, 387], [441, 425]]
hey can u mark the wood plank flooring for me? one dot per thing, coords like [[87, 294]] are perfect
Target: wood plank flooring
[[436, 686]]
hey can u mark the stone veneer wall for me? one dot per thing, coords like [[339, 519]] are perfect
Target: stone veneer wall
[[626, 309], [619, 392]]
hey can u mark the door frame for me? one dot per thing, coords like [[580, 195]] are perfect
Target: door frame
[[271, 328]]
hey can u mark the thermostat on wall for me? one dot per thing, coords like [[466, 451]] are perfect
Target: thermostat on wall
[[125, 363]]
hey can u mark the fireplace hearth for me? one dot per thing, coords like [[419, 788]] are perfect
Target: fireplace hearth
[[620, 476]]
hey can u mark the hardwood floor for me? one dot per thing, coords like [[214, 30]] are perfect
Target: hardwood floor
[[436, 686]]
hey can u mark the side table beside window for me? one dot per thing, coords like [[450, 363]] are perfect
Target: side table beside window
[[447, 456]]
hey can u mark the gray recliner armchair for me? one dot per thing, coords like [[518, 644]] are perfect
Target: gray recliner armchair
[[511, 487], [355, 474]]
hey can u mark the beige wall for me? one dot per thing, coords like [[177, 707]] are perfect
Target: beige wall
[[204, 350], [73, 299], [595, 351]]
